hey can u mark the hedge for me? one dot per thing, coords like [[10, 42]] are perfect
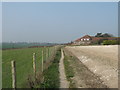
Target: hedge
[[111, 42]]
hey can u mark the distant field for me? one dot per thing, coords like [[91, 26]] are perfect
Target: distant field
[[23, 58], [22, 45]]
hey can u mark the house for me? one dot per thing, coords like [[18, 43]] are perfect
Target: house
[[86, 40], [83, 40]]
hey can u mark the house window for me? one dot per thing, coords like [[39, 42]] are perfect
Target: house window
[[84, 39], [88, 39], [81, 39]]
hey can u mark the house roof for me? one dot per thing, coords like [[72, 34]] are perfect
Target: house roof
[[95, 38], [86, 36]]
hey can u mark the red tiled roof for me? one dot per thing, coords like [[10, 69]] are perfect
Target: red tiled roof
[[95, 38], [86, 36]]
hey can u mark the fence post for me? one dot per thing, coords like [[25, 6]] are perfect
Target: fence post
[[54, 50], [42, 60], [46, 54], [13, 74], [34, 64], [49, 51]]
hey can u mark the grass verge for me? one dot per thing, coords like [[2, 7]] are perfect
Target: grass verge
[[51, 75], [68, 69]]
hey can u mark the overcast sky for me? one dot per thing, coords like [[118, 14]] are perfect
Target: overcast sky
[[57, 22]]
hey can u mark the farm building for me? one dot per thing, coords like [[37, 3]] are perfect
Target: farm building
[[86, 40]]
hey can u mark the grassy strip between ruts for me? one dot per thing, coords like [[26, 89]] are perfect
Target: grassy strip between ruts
[[51, 75], [68, 69]]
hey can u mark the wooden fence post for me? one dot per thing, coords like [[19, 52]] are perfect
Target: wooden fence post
[[34, 64], [46, 54], [49, 51], [13, 74], [42, 60], [54, 50]]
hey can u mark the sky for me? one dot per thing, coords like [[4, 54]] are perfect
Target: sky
[[58, 22], [0, 22]]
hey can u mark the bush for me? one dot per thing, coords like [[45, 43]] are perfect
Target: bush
[[110, 42]]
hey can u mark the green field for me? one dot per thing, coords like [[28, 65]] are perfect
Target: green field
[[23, 58]]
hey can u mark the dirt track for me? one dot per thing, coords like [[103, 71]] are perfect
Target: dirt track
[[63, 81], [101, 60]]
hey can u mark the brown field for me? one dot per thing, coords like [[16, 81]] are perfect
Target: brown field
[[101, 60]]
